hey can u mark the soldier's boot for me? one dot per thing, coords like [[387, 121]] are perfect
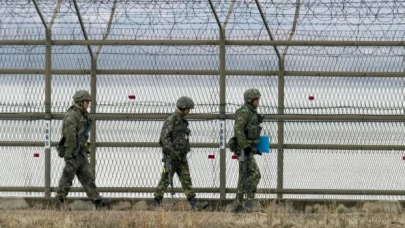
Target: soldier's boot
[[102, 204], [196, 206], [250, 207], [237, 204], [157, 204], [61, 204], [236, 207]]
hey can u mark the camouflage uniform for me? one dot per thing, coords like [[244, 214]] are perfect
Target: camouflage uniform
[[247, 131], [174, 139], [75, 123], [175, 143]]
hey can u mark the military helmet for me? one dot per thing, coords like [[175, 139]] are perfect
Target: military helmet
[[81, 95], [185, 102], [251, 94]]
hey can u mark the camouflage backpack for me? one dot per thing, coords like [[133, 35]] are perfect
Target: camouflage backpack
[[233, 142]]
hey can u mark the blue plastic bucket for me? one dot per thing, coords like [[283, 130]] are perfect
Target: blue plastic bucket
[[264, 144]]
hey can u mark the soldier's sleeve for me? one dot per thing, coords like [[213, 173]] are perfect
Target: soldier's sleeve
[[166, 133], [239, 128], [69, 131]]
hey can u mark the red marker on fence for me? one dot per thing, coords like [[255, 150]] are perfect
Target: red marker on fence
[[211, 156], [234, 157], [403, 158], [311, 98], [36, 155], [132, 97]]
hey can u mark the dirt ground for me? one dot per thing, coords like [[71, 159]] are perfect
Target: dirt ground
[[269, 218]]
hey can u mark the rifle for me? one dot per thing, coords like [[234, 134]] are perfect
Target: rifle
[[83, 138], [169, 171]]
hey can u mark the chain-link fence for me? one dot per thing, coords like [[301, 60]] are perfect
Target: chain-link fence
[[331, 76]]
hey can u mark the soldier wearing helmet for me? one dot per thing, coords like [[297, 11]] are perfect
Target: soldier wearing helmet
[[74, 126], [174, 140], [247, 132]]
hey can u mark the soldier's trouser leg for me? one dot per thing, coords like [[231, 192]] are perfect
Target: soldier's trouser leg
[[65, 182], [163, 183], [86, 178], [183, 172], [253, 177], [241, 185]]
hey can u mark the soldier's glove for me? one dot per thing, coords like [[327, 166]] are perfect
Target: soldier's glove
[[260, 118], [247, 150]]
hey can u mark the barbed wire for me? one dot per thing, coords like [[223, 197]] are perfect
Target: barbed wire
[[174, 16], [333, 20]]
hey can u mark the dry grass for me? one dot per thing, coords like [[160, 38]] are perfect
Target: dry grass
[[271, 217]]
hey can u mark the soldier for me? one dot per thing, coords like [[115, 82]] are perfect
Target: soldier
[[74, 126], [174, 139], [247, 131]]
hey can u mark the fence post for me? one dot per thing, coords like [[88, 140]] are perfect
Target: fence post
[[48, 79], [222, 111], [93, 106], [280, 133]]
